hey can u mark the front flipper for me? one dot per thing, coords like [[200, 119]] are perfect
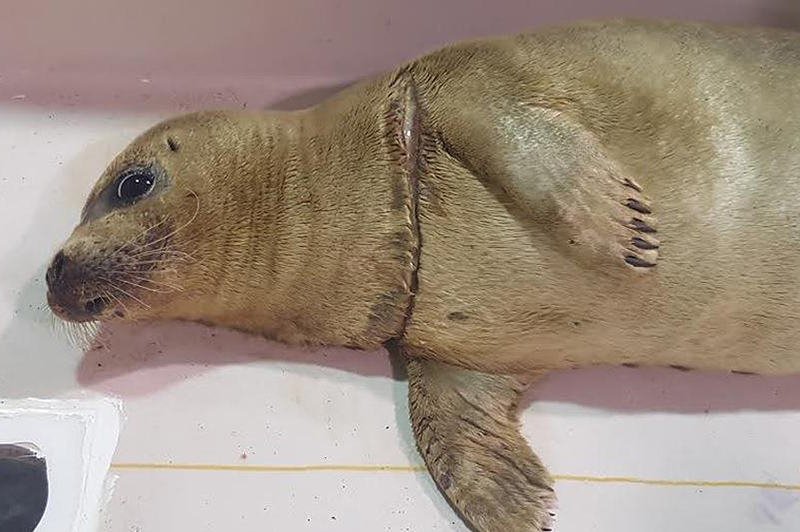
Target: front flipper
[[559, 173], [467, 429]]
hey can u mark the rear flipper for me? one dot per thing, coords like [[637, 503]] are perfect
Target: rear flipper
[[467, 429]]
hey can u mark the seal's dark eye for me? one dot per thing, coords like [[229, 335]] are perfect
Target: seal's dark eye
[[133, 185]]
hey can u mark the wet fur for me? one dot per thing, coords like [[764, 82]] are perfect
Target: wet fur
[[598, 194]]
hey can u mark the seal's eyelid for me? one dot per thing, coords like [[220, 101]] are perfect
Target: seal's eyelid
[[173, 144]]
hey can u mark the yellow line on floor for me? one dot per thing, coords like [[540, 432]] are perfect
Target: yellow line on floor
[[678, 483], [418, 469], [270, 469]]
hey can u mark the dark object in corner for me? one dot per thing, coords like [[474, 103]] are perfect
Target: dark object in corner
[[23, 488]]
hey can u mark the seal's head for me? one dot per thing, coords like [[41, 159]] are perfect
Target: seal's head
[[133, 248], [290, 224]]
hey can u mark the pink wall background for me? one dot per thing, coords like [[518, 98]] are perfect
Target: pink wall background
[[275, 48]]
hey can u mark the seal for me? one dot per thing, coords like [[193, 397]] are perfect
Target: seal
[[602, 193]]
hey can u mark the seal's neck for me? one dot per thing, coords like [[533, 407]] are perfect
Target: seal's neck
[[318, 231]]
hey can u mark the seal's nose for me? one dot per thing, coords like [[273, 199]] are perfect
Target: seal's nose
[[71, 289], [56, 270]]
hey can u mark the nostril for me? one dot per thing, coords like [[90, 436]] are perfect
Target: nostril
[[96, 305], [56, 268]]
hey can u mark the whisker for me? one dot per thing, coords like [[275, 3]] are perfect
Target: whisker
[[98, 337], [63, 328], [100, 340], [90, 330], [143, 263], [113, 296], [184, 226], [80, 335], [157, 283], [138, 277], [142, 287], [126, 293], [136, 274], [119, 274], [141, 234], [66, 330], [157, 252]]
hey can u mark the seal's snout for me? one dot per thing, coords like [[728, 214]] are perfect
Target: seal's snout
[[67, 294], [56, 269], [62, 272]]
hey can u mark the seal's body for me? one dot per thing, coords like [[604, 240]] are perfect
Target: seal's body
[[603, 193], [537, 136]]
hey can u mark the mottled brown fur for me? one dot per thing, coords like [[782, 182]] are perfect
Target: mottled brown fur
[[618, 193]]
